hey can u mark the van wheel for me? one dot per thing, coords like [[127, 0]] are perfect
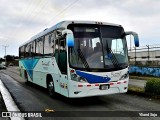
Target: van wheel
[[50, 88]]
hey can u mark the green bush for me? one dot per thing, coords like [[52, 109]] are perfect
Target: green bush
[[153, 87]]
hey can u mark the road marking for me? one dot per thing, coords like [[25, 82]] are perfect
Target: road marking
[[9, 102]]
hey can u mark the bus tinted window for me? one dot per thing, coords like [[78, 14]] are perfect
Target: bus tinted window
[[33, 48], [28, 50], [48, 44], [39, 47], [62, 57], [85, 29], [21, 52], [112, 32]]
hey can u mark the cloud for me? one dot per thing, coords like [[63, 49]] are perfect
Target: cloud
[[21, 19]]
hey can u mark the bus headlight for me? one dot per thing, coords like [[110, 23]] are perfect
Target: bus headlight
[[77, 78], [74, 76], [126, 75]]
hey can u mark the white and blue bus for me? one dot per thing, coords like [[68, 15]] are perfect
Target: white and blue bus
[[78, 59]]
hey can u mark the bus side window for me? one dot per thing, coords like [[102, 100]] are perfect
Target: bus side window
[[56, 50], [39, 47], [30, 50], [21, 52], [56, 46], [52, 43], [62, 46], [26, 50], [48, 45], [62, 58], [33, 48]]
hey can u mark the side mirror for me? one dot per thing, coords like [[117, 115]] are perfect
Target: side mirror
[[135, 35], [69, 37]]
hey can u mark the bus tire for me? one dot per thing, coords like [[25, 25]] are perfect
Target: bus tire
[[50, 86]]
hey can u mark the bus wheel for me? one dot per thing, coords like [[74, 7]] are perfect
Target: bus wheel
[[50, 87]]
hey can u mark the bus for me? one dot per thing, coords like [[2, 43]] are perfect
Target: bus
[[78, 59]]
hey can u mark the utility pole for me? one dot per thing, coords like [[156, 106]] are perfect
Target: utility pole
[[5, 46]]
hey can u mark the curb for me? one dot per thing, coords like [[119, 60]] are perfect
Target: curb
[[9, 102]]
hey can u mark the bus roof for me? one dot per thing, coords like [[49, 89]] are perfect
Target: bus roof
[[64, 24]]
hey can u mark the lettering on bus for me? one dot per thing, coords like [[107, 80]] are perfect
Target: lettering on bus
[[45, 63]]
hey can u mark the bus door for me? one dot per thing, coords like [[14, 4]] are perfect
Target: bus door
[[61, 57]]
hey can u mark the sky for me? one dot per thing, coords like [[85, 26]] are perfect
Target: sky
[[22, 19]]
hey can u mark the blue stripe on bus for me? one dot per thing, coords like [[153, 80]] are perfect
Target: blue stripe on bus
[[30, 64], [93, 78]]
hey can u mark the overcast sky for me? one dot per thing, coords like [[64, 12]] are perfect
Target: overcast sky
[[21, 19]]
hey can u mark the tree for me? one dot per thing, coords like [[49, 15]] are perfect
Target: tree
[[9, 57]]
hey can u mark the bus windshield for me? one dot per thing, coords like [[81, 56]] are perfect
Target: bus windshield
[[98, 46]]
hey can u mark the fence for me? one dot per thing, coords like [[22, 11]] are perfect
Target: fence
[[148, 55]]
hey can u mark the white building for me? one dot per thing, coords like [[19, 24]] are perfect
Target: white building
[[153, 56]]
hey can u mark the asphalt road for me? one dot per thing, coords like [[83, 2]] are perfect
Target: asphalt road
[[34, 98]]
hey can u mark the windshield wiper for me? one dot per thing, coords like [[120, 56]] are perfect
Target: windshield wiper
[[113, 58], [83, 58]]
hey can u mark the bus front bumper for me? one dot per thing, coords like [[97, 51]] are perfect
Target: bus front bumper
[[86, 90]]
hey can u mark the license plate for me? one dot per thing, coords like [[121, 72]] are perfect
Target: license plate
[[104, 87]]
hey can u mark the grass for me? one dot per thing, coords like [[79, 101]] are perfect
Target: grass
[[143, 77], [141, 92], [153, 87], [136, 89]]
